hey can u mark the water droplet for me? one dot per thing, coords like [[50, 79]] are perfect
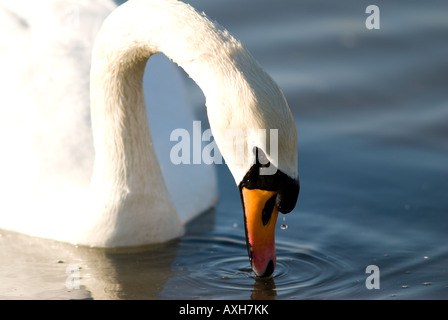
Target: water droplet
[[284, 226]]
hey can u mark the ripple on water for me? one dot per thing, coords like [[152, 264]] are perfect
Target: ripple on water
[[218, 267]]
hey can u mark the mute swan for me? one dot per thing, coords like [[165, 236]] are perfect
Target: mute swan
[[45, 123], [127, 201]]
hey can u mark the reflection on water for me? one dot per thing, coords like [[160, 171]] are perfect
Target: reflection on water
[[326, 261], [33, 268], [220, 264], [202, 264], [43, 269]]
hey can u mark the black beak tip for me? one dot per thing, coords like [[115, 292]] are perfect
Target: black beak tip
[[269, 270]]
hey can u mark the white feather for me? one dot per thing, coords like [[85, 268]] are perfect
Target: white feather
[[127, 200]]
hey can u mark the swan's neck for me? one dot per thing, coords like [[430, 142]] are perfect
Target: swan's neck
[[125, 163], [130, 35], [128, 192], [121, 134]]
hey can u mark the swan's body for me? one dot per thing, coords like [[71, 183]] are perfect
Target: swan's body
[[127, 199], [45, 129]]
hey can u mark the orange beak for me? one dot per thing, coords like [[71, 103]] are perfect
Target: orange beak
[[260, 216]]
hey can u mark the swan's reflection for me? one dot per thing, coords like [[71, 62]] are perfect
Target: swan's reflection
[[35, 268], [137, 273], [264, 289]]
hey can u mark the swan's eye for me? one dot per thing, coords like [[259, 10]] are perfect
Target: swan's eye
[[287, 188], [268, 209]]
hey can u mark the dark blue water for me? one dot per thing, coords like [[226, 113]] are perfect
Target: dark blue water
[[371, 107]]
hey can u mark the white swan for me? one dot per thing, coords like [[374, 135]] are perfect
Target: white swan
[[44, 120], [127, 201]]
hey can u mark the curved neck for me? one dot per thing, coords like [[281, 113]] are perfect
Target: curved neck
[[130, 35], [127, 181], [120, 129], [239, 94]]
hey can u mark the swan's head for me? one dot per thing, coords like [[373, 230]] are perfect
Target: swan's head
[[255, 131], [257, 136]]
